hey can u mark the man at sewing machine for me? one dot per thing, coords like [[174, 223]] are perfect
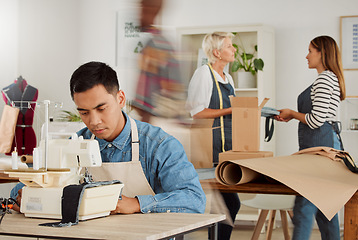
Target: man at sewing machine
[[153, 166]]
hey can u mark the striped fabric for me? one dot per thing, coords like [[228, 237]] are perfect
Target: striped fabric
[[325, 96]]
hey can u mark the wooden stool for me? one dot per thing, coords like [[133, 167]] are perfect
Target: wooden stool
[[270, 204], [262, 219]]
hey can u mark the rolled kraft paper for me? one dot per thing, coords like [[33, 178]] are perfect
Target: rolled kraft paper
[[26, 159], [229, 173]]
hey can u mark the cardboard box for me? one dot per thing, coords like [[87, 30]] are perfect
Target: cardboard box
[[246, 118], [231, 155], [201, 143]]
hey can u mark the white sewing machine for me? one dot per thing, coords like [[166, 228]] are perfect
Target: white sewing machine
[[58, 163]]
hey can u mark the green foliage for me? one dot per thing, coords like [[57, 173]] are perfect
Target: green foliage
[[246, 61], [68, 116]]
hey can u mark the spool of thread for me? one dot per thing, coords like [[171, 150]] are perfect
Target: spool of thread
[[26, 159], [14, 159], [35, 159]]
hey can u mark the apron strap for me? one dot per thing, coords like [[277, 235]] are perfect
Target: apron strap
[[269, 128], [135, 140], [337, 128]]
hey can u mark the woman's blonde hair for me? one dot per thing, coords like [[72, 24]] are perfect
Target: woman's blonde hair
[[214, 41], [331, 59]]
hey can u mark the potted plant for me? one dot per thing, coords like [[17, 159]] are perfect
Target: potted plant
[[249, 63], [68, 116]]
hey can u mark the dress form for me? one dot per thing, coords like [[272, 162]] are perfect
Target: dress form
[[20, 93]]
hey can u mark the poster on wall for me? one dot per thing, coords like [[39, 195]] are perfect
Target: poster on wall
[[130, 41], [349, 42], [129, 44]]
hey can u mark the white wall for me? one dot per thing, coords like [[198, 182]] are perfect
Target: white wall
[[8, 43], [56, 36], [48, 46]]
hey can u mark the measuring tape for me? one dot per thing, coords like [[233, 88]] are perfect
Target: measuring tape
[[221, 107]]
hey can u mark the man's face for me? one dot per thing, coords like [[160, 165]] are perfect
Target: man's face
[[101, 111]]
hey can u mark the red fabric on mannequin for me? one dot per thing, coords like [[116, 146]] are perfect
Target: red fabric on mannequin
[[25, 137]]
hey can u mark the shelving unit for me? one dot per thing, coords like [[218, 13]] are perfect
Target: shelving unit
[[190, 40], [349, 110]]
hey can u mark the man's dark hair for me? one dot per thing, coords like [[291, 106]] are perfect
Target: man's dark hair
[[92, 74]]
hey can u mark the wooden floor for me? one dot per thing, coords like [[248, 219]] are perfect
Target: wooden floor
[[244, 232]]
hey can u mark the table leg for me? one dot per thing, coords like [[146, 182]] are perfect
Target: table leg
[[351, 218], [214, 232]]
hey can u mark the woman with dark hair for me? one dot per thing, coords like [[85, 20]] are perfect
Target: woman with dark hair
[[317, 111]]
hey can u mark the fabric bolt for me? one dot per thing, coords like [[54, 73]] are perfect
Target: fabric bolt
[[304, 210], [269, 112]]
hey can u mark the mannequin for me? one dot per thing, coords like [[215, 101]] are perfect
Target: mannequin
[[25, 137]]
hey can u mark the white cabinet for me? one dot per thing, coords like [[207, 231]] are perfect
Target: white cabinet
[[190, 40]]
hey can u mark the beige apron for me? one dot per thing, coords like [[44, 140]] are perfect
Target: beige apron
[[130, 173]]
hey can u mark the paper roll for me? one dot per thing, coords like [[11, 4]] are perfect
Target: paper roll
[[26, 159], [229, 173]]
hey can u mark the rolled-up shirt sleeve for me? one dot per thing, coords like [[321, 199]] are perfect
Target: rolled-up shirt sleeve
[[13, 192], [199, 91]]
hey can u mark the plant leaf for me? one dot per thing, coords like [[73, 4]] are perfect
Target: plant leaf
[[235, 66], [259, 64], [246, 56], [69, 116]]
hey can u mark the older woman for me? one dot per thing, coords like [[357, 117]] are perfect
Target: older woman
[[208, 97]]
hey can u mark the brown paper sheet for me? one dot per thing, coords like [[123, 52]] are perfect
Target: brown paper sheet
[[7, 127], [326, 183]]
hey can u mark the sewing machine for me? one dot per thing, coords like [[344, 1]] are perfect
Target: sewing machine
[[41, 197], [58, 163]]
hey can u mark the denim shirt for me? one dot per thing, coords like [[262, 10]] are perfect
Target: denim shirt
[[165, 165]]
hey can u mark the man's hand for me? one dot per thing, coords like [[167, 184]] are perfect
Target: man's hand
[[127, 206], [18, 200]]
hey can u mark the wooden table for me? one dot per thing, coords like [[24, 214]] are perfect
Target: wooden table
[[132, 226], [126, 227], [4, 178], [350, 208]]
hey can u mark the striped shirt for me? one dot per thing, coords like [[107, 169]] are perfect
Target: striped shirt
[[325, 96]]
